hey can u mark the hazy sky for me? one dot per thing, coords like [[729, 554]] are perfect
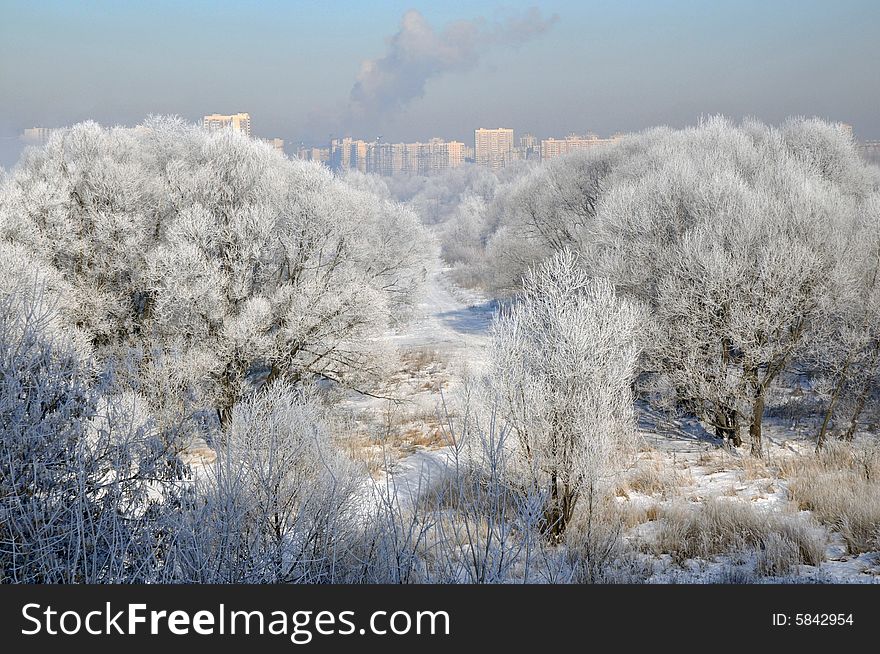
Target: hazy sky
[[412, 70]]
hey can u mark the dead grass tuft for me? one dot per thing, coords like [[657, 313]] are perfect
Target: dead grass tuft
[[841, 486], [418, 360], [596, 549], [653, 476], [727, 526], [633, 514]]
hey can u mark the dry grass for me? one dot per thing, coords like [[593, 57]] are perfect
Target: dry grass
[[633, 514], [777, 555], [419, 362], [379, 436], [420, 435], [360, 447], [596, 549], [728, 526], [841, 486], [754, 468], [655, 476], [398, 435]]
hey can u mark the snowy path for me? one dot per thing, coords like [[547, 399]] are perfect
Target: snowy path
[[452, 324], [448, 318]]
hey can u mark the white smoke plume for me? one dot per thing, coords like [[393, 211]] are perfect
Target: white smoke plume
[[418, 53]]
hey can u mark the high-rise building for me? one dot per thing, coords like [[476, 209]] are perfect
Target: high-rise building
[[871, 151], [348, 153], [383, 158], [239, 122], [528, 141], [551, 147], [340, 153], [396, 158], [438, 155], [359, 155], [493, 147]]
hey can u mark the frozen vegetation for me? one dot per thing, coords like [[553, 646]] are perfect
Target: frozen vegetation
[[653, 362]]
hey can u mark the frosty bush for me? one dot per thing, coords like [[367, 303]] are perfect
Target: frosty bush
[[277, 505], [84, 480]]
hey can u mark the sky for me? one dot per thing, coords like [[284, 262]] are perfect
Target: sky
[[413, 70]]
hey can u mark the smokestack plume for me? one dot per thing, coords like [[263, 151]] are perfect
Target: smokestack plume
[[417, 53]]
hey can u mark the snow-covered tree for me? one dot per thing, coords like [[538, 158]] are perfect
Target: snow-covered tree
[[739, 238], [735, 240], [212, 255], [545, 210], [277, 505], [563, 361], [847, 360]]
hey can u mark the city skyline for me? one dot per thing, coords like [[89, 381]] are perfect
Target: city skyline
[[493, 147], [408, 71]]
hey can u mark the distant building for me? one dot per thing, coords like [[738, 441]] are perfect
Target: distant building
[[551, 148], [493, 147], [240, 122], [36, 135], [348, 153], [528, 141], [359, 155], [278, 144], [390, 159], [438, 155], [308, 153], [871, 151], [385, 158], [529, 148]]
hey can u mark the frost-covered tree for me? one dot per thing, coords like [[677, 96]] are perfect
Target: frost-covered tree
[[739, 238], [735, 240], [563, 361], [847, 360], [215, 258], [546, 210], [436, 197]]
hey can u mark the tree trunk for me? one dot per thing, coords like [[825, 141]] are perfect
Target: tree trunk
[[863, 396], [554, 516], [727, 425], [224, 415], [757, 418], [835, 395], [857, 412], [274, 373]]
